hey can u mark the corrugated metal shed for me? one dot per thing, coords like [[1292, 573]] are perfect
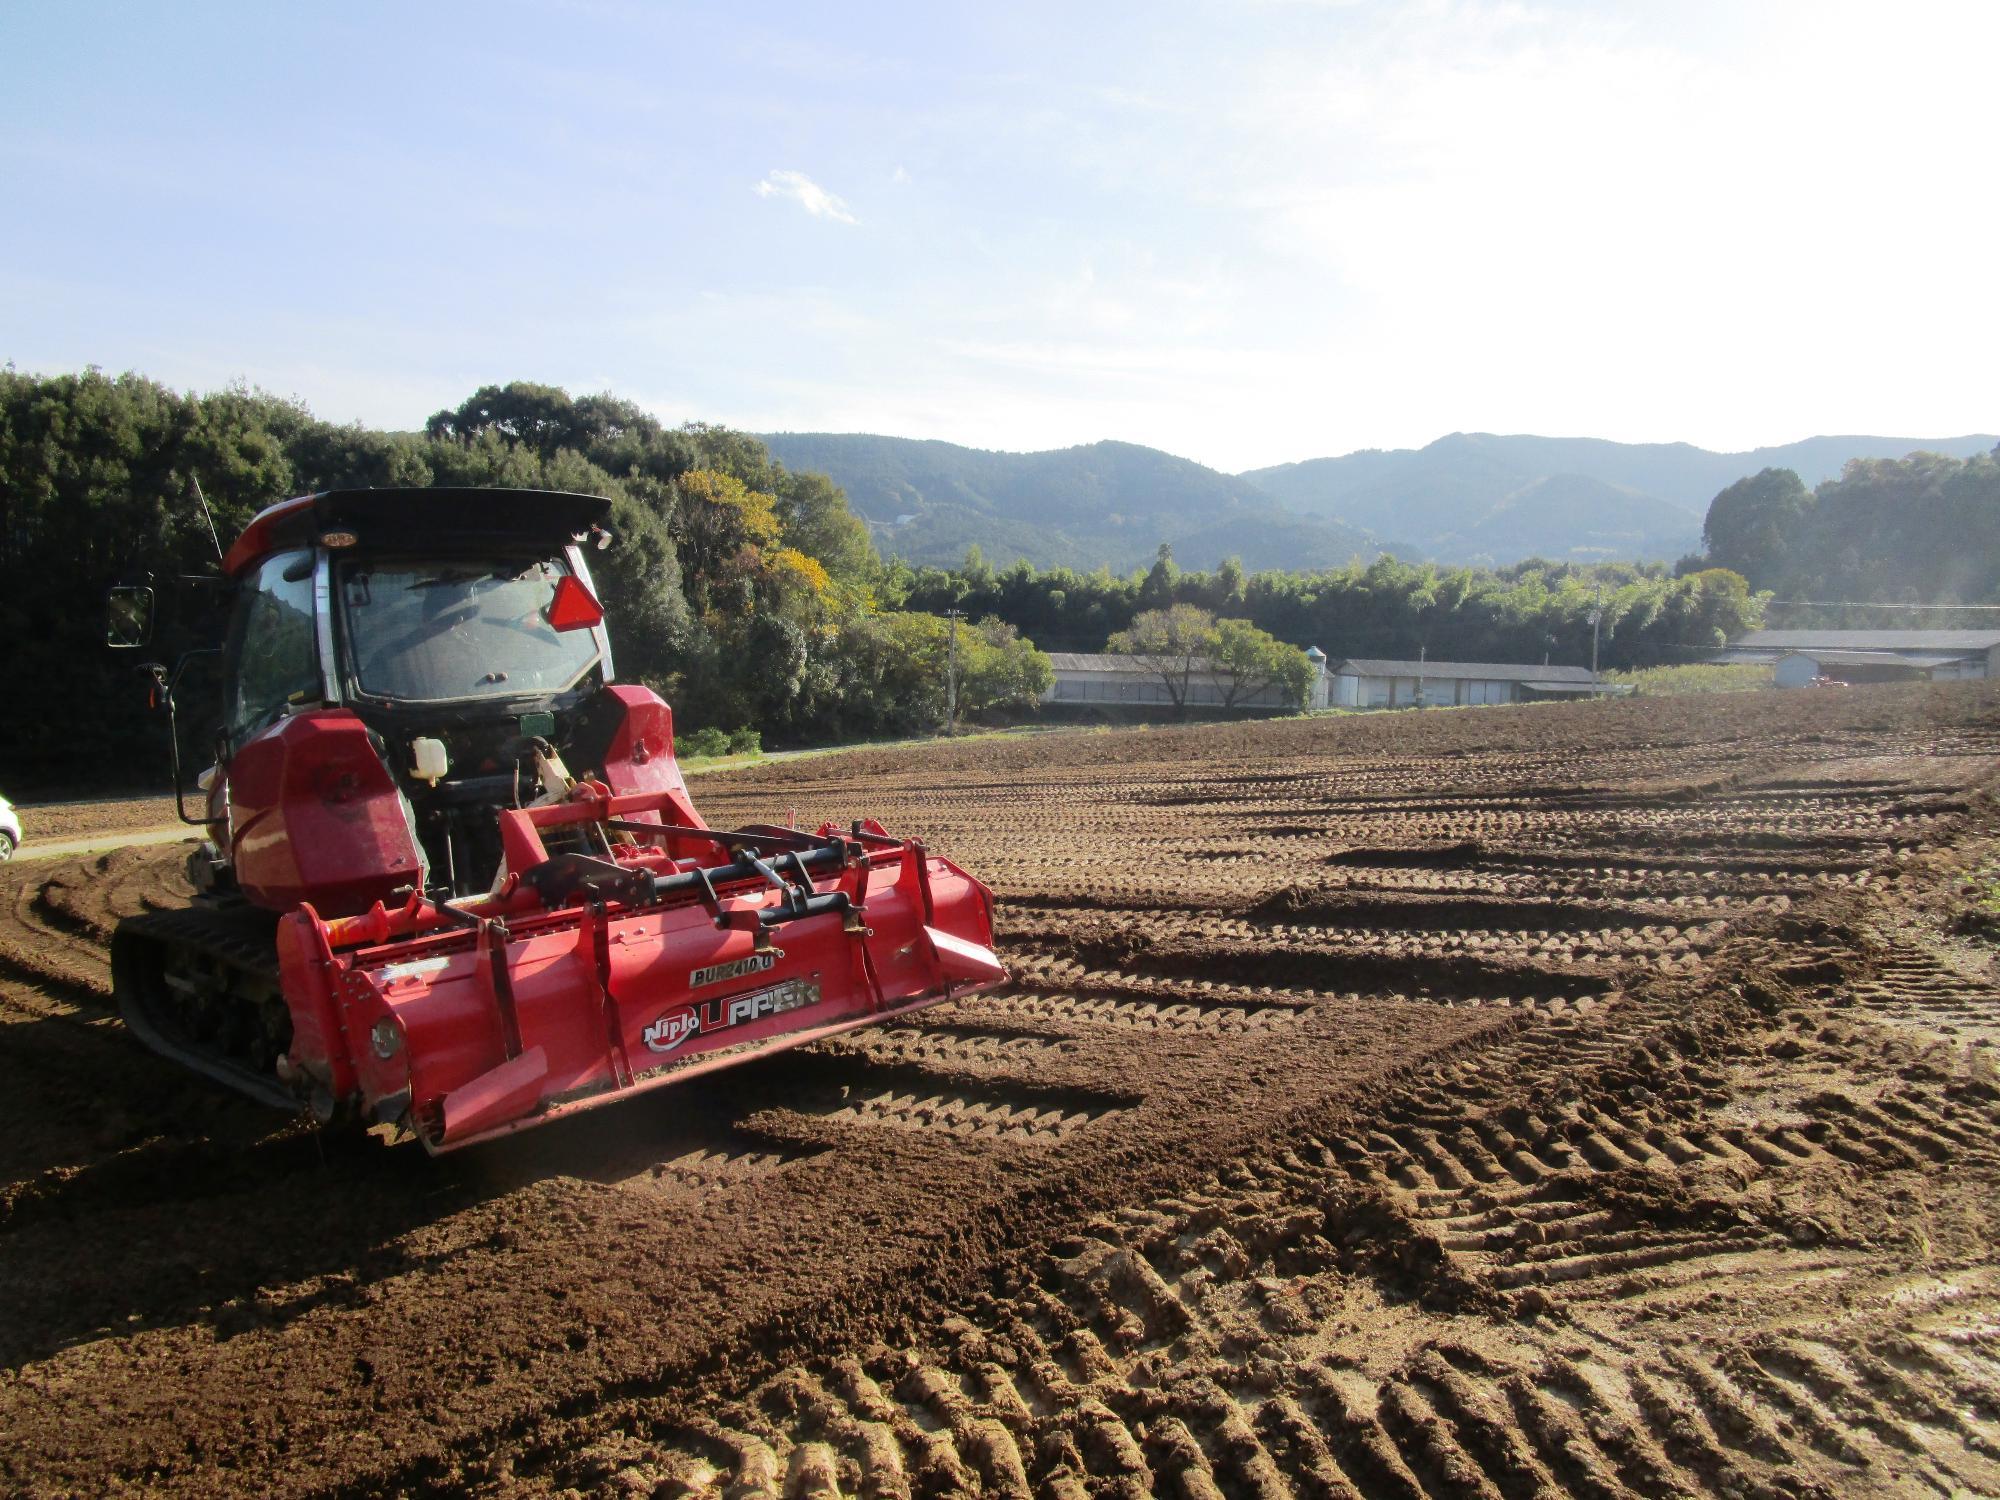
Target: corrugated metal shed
[[1368, 666], [1090, 661], [1916, 659], [1868, 640]]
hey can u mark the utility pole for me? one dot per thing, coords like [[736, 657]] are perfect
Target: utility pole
[[1596, 620], [951, 676]]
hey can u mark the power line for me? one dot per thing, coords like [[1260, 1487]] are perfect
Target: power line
[[1868, 604]]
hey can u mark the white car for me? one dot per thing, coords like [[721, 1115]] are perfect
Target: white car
[[10, 830]]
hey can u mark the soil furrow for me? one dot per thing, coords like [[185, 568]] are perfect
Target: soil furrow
[[1383, 1105]]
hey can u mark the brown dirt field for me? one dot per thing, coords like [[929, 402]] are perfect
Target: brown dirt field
[[59, 822], [1575, 1100]]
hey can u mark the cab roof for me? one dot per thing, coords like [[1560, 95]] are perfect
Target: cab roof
[[419, 520]]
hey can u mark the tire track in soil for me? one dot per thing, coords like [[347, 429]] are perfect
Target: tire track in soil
[[1173, 1256], [1183, 1346], [1511, 1204]]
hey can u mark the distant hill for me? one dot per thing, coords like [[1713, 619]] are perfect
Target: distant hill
[[1466, 498], [1572, 516], [1477, 497], [1104, 503]]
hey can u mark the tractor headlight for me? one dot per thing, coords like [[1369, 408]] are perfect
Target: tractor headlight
[[386, 1038]]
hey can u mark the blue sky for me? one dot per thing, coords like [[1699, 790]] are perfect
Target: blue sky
[[1246, 233]]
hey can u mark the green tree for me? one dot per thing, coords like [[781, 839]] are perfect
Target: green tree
[[813, 518], [1243, 661], [1753, 525], [1158, 589], [1174, 644], [541, 417], [723, 528], [899, 661], [1001, 671], [1229, 583]]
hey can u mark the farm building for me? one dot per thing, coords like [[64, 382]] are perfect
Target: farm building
[[1095, 678], [1800, 656], [1098, 679], [1366, 682]]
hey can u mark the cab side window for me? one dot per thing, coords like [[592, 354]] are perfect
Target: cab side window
[[272, 655]]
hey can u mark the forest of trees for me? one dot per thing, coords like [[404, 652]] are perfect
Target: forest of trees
[[748, 593], [1384, 608], [1918, 530]]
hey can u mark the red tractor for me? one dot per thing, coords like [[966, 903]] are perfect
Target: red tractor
[[453, 883]]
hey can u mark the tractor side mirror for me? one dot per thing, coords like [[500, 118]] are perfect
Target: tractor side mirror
[[128, 617]]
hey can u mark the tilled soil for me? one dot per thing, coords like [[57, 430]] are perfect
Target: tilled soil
[[1585, 1100], [57, 822]]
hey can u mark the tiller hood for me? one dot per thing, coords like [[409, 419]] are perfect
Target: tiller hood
[[585, 977]]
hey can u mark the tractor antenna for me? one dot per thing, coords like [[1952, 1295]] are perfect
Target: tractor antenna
[[208, 516]]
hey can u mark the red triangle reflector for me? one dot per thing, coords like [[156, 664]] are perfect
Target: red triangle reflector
[[574, 607]]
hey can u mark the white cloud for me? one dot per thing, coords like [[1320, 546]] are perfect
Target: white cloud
[[808, 194]]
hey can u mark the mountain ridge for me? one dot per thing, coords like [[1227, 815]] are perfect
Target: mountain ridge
[[1447, 495], [1464, 498], [1105, 503]]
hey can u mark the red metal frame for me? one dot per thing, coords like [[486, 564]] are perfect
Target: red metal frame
[[256, 538], [479, 1018]]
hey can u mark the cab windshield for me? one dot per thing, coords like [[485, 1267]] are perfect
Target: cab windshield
[[428, 631]]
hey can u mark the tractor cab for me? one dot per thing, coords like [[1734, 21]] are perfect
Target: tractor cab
[[450, 635], [425, 604]]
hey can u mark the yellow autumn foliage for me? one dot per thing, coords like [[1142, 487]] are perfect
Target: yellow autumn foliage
[[753, 513]]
